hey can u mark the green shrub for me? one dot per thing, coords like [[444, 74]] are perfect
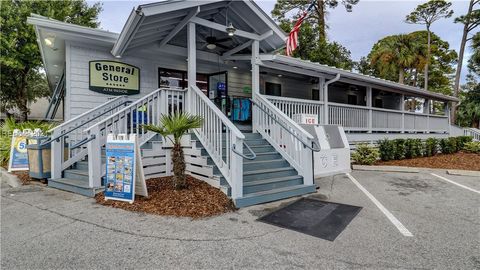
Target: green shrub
[[413, 148], [386, 149], [462, 140], [399, 149], [472, 147], [365, 155], [453, 144], [431, 147], [449, 146], [6, 132]]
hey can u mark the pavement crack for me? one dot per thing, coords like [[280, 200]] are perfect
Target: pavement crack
[[74, 219]]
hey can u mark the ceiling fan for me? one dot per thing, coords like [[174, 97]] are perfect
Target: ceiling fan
[[212, 42]]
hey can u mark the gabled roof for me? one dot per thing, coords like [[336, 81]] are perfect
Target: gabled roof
[[152, 23], [317, 67]]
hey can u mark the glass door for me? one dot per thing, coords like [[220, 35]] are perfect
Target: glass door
[[218, 90]]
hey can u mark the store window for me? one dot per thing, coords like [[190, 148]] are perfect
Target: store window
[[273, 89]]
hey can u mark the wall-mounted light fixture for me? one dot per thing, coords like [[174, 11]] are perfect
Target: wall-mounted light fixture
[[50, 41]]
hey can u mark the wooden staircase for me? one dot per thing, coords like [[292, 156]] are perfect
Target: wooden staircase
[[269, 177]]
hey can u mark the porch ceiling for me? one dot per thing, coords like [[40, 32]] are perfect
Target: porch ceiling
[[291, 64], [160, 23]]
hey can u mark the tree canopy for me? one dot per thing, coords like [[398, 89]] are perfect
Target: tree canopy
[[317, 19], [22, 80], [402, 57], [313, 44]]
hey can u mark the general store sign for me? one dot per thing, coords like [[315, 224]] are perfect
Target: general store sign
[[114, 78]]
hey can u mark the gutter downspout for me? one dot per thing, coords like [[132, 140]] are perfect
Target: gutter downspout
[[325, 97]]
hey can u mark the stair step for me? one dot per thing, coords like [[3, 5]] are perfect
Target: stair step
[[264, 164], [273, 195], [268, 173], [272, 183], [76, 174], [74, 185]]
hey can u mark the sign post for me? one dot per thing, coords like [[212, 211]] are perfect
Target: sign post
[[124, 170]]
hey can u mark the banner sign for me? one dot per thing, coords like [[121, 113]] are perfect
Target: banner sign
[[114, 78], [122, 172], [18, 149]]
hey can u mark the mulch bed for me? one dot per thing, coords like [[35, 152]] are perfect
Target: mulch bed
[[456, 161], [24, 177], [198, 200]]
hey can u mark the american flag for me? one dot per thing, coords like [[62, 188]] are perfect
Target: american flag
[[292, 40]]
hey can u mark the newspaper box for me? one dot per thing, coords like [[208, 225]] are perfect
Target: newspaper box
[[334, 156]]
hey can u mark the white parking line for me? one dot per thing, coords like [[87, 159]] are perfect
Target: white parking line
[[403, 230], [455, 183]]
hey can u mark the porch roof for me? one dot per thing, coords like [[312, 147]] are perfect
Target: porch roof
[[289, 63], [164, 22]]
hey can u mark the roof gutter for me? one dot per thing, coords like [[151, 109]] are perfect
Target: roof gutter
[[128, 31]]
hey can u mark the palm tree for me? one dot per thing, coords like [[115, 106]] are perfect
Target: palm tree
[[395, 54], [177, 125]]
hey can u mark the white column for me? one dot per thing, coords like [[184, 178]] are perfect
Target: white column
[[255, 79], [57, 156], [369, 105], [192, 62], [321, 83], [426, 110], [255, 68], [94, 159], [325, 105], [402, 108]]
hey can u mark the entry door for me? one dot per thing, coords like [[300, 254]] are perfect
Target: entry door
[[218, 90]]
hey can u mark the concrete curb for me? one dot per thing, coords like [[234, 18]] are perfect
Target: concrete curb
[[386, 168], [9, 178], [464, 173], [413, 170]]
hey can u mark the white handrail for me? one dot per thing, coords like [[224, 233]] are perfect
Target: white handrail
[[71, 133], [146, 110], [221, 139], [286, 136], [219, 113], [282, 115], [473, 132], [89, 112]]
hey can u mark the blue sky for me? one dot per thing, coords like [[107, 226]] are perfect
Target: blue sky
[[358, 30]]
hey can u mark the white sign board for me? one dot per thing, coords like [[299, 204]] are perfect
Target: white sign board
[[124, 170], [306, 119]]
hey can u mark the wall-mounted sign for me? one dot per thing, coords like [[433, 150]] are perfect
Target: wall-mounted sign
[[114, 78]]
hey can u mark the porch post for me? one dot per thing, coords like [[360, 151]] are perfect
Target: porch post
[[402, 108], [369, 105], [255, 78], [321, 83], [192, 61], [426, 110], [255, 69], [325, 104]]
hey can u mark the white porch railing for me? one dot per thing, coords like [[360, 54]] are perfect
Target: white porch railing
[[291, 106], [67, 138], [288, 138], [360, 118], [222, 140], [473, 132], [129, 120]]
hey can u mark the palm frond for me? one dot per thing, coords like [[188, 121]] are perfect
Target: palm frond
[[177, 125]]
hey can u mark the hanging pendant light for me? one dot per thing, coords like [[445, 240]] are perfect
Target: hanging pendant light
[[231, 30]]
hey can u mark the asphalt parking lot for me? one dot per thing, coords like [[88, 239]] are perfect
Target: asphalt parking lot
[[43, 228]]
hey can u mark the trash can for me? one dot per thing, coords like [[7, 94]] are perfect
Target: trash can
[[39, 157]]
